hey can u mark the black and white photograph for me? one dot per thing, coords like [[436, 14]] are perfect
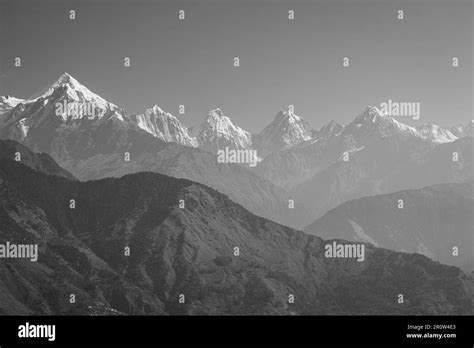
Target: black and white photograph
[[296, 161]]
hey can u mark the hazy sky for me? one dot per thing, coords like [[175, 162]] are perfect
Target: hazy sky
[[282, 61]]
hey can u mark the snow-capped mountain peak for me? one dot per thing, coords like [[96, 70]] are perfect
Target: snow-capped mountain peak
[[68, 100], [164, 126], [218, 131], [75, 91], [372, 122], [216, 113], [286, 115], [286, 130], [67, 78], [371, 114], [156, 110], [222, 123]]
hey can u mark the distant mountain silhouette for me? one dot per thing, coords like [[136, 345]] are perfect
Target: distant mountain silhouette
[[391, 164], [432, 221]]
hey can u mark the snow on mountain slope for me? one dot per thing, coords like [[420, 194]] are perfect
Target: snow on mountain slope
[[372, 120], [75, 91], [435, 133], [371, 124], [286, 130], [165, 126], [217, 131], [64, 102], [65, 112], [7, 103], [113, 146], [293, 166]]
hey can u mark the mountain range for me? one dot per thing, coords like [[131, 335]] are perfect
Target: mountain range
[[317, 170], [300, 163], [183, 260], [130, 174], [216, 130], [93, 148], [293, 154]]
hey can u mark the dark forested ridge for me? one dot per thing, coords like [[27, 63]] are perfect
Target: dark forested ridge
[[12, 150], [191, 252]]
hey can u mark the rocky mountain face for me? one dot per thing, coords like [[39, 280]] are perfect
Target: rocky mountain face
[[287, 168], [217, 132], [58, 120], [285, 131], [429, 221], [164, 126], [463, 131], [329, 130], [184, 260]]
